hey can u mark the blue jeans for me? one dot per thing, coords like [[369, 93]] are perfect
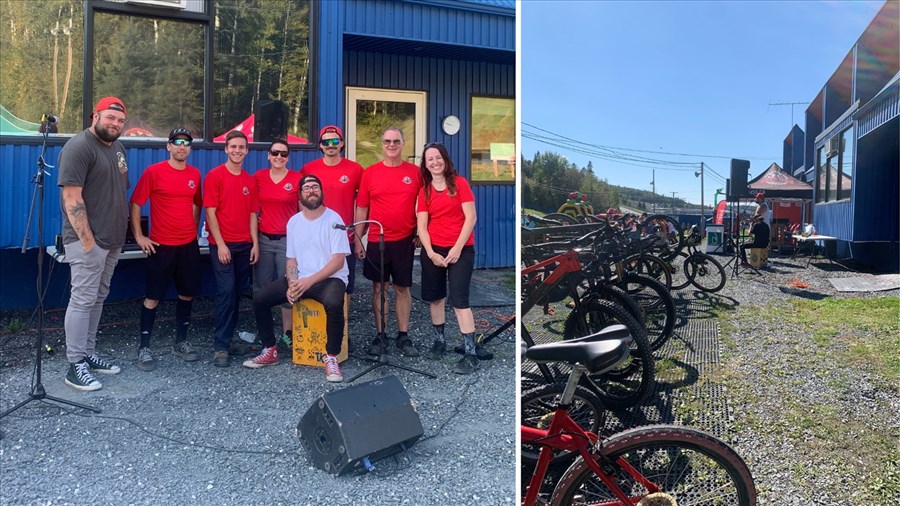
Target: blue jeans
[[231, 281]]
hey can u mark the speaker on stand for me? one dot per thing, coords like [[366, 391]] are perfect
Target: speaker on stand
[[270, 120], [350, 428]]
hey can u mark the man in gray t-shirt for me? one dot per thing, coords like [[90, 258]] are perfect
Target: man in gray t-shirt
[[93, 176]]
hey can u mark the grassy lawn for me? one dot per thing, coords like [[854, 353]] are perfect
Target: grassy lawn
[[849, 350]]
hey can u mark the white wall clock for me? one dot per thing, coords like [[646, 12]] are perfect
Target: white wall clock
[[450, 125]]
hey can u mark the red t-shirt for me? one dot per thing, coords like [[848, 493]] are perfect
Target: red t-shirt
[[173, 193], [339, 185], [390, 194], [277, 201], [234, 197], [445, 213]]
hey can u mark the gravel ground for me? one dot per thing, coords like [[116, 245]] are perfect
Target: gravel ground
[[804, 417], [194, 433]]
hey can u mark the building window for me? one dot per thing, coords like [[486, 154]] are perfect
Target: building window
[[156, 67], [261, 53], [41, 47], [493, 152], [821, 175], [846, 172]]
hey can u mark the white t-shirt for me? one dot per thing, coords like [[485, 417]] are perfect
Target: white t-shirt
[[313, 243], [763, 209]]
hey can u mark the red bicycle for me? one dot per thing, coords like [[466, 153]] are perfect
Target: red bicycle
[[657, 465]]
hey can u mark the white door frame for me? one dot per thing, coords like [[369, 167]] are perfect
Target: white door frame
[[353, 94]]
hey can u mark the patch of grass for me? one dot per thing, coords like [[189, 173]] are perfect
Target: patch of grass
[[867, 331], [14, 326], [509, 280]]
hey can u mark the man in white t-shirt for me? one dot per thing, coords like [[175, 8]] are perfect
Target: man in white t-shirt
[[762, 209], [316, 269]]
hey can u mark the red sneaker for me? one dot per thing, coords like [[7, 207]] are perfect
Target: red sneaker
[[333, 369], [268, 356]]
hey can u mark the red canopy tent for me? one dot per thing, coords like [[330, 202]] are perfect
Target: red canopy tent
[[246, 126], [787, 197]]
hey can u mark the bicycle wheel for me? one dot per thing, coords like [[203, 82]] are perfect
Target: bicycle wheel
[[618, 296], [680, 280], [690, 467], [705, 272], [668, 230], [538, 406], [628, 384], [651, 266], [657, 305]]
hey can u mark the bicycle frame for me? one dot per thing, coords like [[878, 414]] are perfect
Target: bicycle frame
[[564, 434]]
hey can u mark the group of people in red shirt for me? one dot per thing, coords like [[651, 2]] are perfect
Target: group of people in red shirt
[[287, 227]]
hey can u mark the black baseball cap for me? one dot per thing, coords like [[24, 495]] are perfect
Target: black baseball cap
[[180, 132]]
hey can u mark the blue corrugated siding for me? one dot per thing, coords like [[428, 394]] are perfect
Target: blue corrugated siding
[[19, 164], [450, 85], [433, 23], [887, 109], [834, 219]]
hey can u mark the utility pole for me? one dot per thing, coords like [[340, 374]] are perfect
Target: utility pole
[[702, 207], [653, 183]]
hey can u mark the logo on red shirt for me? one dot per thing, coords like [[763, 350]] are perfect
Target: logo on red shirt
[[344, 179], [191, 184], [246, 191], [407, 180], [288, 187]]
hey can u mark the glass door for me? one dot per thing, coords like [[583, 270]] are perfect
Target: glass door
[[370, 111]]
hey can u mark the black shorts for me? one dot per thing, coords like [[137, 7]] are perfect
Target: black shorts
[[351, 268], [398, 262], [181, 263], [434, 278]]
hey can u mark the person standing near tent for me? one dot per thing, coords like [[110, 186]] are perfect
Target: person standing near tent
[[278, 189], [173, 189], [445, 214], [340, 181], [762, 209], [229, 195], [93, 175]]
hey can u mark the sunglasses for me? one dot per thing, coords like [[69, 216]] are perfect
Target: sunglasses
[[180, 142], [275, 152], [311, 188], [330, 142], [433, 145], [388, 142]]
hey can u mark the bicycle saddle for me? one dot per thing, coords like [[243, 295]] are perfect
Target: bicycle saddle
[[595, 356]]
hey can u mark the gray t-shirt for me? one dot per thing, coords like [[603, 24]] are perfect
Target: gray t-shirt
[[102, 173]]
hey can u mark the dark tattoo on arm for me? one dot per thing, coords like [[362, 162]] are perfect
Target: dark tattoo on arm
[[79, 219]]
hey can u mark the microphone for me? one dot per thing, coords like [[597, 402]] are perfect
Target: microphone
[[51, 119], [338, 226]]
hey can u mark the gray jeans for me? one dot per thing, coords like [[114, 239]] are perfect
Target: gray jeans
[[271, 263], [91, 274]]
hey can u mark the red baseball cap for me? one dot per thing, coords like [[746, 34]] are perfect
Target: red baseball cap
[[112, 103], [330, 129], [760, 195]]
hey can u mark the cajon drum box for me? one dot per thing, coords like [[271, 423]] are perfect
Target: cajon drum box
[[309, 333], [758, 256]]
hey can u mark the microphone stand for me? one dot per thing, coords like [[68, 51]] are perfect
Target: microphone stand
[[37, 387], [383, 359]]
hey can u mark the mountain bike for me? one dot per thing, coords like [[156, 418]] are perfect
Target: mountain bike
[[659, 465]]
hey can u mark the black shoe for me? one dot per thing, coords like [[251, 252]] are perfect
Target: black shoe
[[480, 351], [466, 365], [184, 350], [145, 360], [377, 346], [100, 365], [221, 359], [79, 377], [438, 348], [406, 348]]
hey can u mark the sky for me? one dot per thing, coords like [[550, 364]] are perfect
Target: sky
[[673, 78]]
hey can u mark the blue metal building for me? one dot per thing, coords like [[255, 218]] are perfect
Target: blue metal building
[[852, 147], [442, 53]]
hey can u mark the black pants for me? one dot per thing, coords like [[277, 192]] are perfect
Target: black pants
[[745, 247], [329, 292]]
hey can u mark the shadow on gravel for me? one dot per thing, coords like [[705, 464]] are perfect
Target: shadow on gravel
[[805, 294]]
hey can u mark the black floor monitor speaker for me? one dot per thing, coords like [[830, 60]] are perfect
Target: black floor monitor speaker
[[370, 420], [739, 170], [270, 121]]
